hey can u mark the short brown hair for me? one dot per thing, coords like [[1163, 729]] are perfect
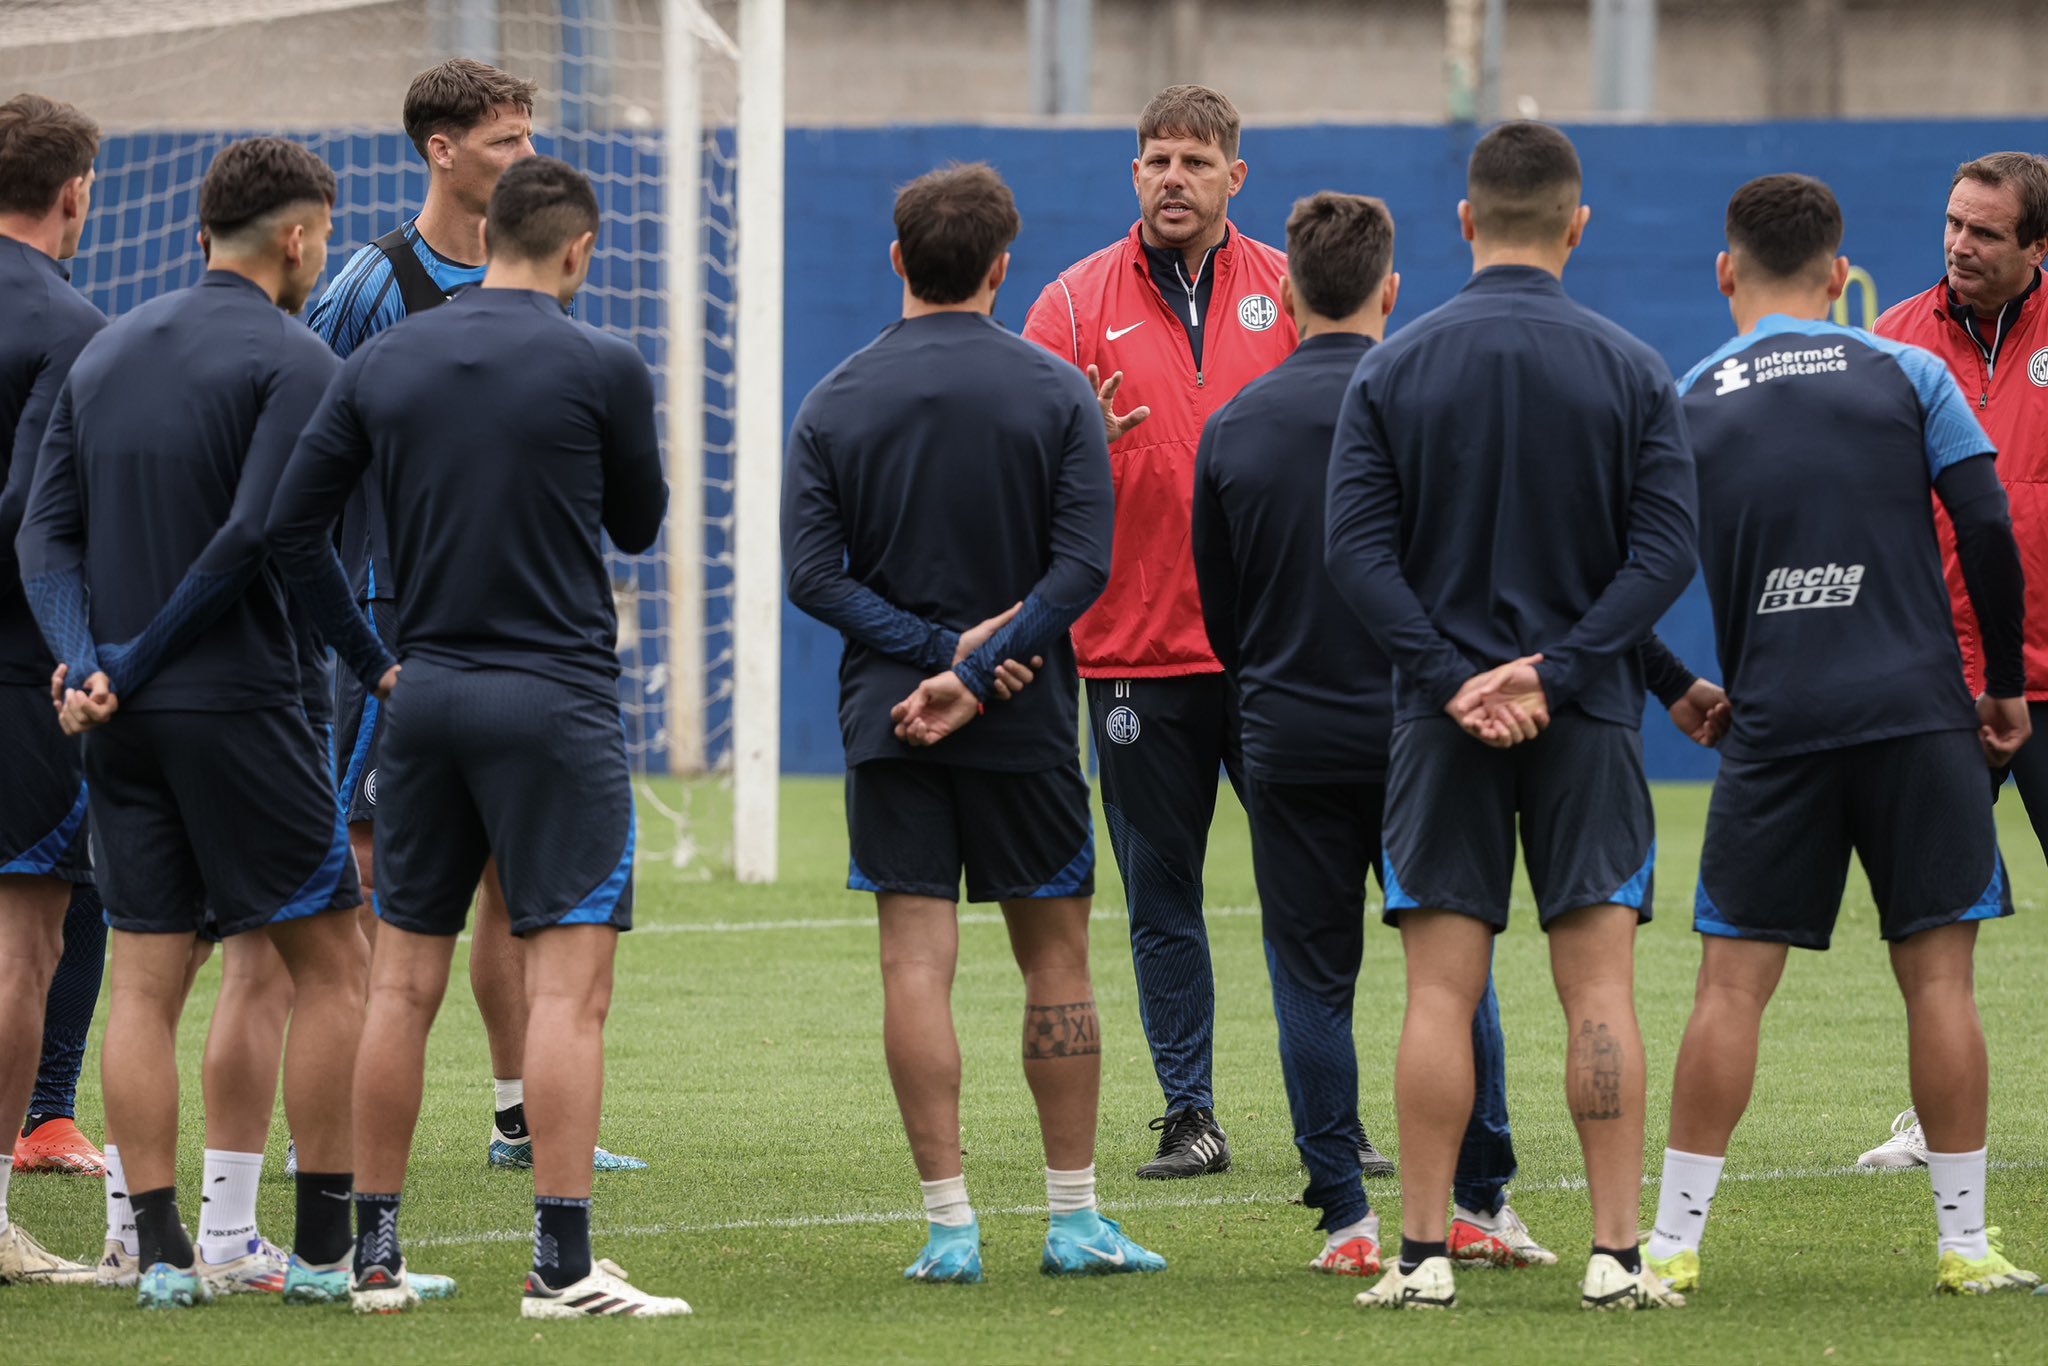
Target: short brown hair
[[457, 95], [2028, 176], [254, 178], [1523, 183], [951, 226], [539, 206], [43, 144], [1339, 249], [1191, 111], [1787, 226]]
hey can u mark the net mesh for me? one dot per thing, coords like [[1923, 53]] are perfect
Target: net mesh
[[171, 82]]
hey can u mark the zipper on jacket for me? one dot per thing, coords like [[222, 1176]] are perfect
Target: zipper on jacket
[[1987, 354], [1194, 319]]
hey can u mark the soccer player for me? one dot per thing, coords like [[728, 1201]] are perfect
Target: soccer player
[[1510, 510], [469, 122], [1316, 696], [947, 508], [1181, 315], [46, 156], [1987, 319], [142, 554], [1853, 729], [507, 439]]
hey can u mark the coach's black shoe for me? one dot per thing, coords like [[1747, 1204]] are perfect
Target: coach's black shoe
[[1190, 1144], [1375, 1163]]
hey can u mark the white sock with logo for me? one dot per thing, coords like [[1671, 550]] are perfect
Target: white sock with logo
[[945, 1202], [1684, 1198], [227, 1205], [120, 1214], [1070, 1192], [508, 1093], [1958, 1181], [1368, 1227]]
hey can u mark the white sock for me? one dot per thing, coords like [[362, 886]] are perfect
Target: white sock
[[945, 1202], [1958, 1181], [510, 1093], [1684, 1198], [1070, 1192], [6, 1174], [227, 1205], [120, 1214], [1488, 1223], [1368, 1227]]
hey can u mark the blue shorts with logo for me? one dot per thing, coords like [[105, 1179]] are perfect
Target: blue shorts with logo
[[1577, 792], [483, 763], [916, 827], [1915, 809], [358, 711]]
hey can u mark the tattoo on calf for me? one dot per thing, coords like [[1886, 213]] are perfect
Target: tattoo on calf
[[1594, 1077], [1070, 1031]]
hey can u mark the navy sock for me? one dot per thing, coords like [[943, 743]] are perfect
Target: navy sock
[[561, 1240], [1414, 1253], [67, 1011], [159, 1229], [1631, 1257], [321, 1236], [377, 1233], [512, 1124]]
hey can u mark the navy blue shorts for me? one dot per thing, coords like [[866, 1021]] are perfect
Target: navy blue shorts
[[915, 827], [215, 823], [357, 712], [42, 796], [484, 762], [1577, 791], [1915, 810]]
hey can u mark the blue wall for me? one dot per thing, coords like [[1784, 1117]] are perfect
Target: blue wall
[[1658, 194]]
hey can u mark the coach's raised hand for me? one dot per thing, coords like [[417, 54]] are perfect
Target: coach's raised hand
[[1504, 706], [1105, 394]]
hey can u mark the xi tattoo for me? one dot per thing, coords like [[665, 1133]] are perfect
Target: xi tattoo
[[1070, 1031]]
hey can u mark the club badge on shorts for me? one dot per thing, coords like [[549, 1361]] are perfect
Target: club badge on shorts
[[1121, 726]]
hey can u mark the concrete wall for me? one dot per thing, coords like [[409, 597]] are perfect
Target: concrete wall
[[965, 61]]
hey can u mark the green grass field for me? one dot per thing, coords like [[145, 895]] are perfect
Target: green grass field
[[745, 1063]]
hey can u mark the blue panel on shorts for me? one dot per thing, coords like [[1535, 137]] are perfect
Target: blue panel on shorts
[[41, 858], [1991, 905], [602, 904], [1706, 916], [317, 893], [1632, 892], [1397, 899], [857, 881], [1070, 879]]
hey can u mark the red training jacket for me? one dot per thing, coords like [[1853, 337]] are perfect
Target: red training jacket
[[1106, 312], [2011, 400]]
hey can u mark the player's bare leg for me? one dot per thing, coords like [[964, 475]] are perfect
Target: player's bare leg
[[920, 945], [139, 1075], [1062, 1033], [1951, 1075], [1592, 959], [1717, 1060], [497, 978], [1448, 959], [244, 1046], [31, 941], [362, 842]]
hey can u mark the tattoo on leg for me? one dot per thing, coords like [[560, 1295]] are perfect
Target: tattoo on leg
[[1070, 1031], [1595, 1073]]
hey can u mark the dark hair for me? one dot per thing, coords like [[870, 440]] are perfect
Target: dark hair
[[457, 95], [539, 206], [1785, 226], [254, 178], [951, 226], [44, 143], [1191, 111], [1523, 183], [1339, 248], [2028, 176]]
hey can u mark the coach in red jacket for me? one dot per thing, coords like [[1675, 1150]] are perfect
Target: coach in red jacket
[[1987, 317], [1182, 313]]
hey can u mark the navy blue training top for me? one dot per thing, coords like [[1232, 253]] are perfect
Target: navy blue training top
[[1510, 476], [142, 548], [363, 300], [1816, 446], [1316, 691], [44, 324], [941, 474], [504, 439]]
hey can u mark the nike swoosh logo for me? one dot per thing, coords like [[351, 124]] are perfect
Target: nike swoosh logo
[[1096, 1252], [1113, 333]]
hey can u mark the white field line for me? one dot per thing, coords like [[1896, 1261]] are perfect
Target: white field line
[[865, 922], [857, 1218]]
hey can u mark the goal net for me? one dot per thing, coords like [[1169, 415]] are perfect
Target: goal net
[[644, 97]]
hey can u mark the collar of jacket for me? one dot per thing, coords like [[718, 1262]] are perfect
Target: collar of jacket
[[1513, 280], [1946, 304], [1134, 249]]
